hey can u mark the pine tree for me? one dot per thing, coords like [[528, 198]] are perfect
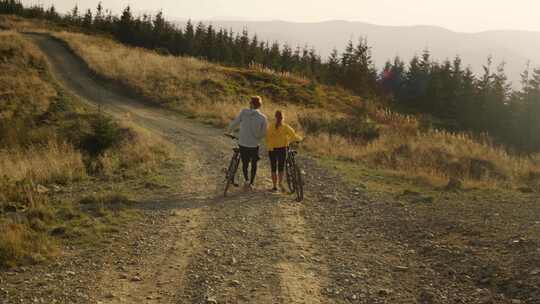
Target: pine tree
[[158, 28], [255, 51], [334, 67], [526, 108], [296, 60], [51, 14], [286, 58], [392, 78], [198, 39], [74, 17], [189, 37], [314, 64], [87, 19], [454, 92], [209, 49], [99, 17], [468, 105], [347, 58], [273, 59], [125, 26]]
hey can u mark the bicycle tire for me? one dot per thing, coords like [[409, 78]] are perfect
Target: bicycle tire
[[231, 172], [289, 171], [299, 184]]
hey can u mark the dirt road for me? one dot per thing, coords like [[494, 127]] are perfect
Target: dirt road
[[251, 247], [194, 246]]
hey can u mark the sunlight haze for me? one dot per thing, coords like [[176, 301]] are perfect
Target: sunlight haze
[[457, 15]]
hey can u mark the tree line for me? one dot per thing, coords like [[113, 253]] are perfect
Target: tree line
[[463, 101], [448, 91]]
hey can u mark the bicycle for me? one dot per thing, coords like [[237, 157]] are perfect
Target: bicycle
[[295, 182], [233, 167]]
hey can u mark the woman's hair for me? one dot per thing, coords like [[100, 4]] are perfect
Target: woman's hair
[[256, 102], [279, 119]]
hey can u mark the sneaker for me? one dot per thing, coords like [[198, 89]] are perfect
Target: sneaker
[[247, 186], [273, 189]]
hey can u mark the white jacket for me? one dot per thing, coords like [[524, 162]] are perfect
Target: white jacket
[[252, 125]]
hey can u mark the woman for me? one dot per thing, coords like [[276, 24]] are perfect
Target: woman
[[278, 137]]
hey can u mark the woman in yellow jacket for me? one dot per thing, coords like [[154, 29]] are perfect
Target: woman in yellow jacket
[[278, 137]]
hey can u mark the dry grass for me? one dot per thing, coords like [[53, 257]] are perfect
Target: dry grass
[[222, 112], [162, 78], [435, 154], [191, 85], [10, 22], [44, 136], [28, 152], [52, 163], [20, 243], [214, 94], [22, 88], [139, 152]]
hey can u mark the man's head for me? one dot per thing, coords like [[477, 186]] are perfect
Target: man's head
[[255, 102]]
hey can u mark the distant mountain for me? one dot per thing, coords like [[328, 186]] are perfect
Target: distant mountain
[[513, 47]]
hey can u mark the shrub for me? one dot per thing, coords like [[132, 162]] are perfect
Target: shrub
[[104, 134], [353, 129]]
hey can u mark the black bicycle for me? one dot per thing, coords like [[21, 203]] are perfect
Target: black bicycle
[[294, 174], [230, 177]]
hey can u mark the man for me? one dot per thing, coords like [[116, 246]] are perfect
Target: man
[[252, 125]]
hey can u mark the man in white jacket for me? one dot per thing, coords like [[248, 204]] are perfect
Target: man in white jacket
[[252, 124]]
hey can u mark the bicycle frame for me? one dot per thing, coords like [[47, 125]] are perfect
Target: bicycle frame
[[233, 167], [294, 174]]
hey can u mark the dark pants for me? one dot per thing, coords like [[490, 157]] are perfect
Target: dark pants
[[249, 155], [277, 159]]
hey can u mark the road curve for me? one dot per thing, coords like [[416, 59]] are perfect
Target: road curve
[[250, 248]]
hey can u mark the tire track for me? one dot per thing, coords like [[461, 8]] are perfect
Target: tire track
[[303, 271]]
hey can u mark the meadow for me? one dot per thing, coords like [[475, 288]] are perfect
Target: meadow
[[336, 123]]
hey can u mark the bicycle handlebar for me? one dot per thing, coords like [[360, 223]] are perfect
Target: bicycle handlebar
[[295, 143]]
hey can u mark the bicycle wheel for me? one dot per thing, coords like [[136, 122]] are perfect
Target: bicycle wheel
[[289, 171], [231, 172], [299, 183]]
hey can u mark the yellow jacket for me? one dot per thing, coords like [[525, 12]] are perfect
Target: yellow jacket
[[280, 137]]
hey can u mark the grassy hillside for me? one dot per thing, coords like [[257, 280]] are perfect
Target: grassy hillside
[[197, 87], [338, 124], [49, 141]]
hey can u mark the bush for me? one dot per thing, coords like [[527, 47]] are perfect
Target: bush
[[104, 134], [350, 128]]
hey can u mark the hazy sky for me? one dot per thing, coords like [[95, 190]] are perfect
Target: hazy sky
[[459, 15]]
